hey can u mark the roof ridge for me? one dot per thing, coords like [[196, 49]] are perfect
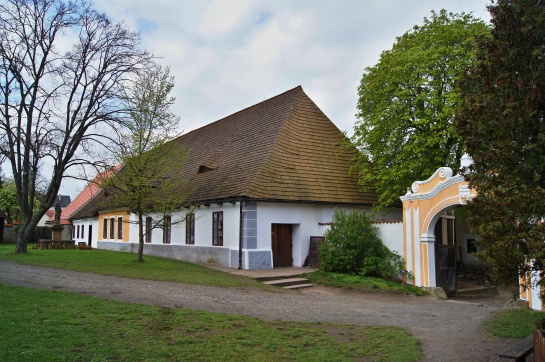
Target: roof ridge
[[295, 89], [275, 143]]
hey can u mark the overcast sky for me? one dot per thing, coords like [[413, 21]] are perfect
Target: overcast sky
[[227, 55]]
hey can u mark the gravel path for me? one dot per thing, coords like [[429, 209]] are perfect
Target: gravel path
[[449, 330]]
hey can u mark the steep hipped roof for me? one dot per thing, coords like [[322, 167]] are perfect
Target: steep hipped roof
[[282, 149]]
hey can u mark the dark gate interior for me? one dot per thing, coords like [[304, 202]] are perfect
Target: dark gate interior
[[90, 235], [445, 257], [446, 268], [281, 245]]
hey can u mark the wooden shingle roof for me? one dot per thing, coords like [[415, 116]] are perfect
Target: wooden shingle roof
[[282, 149]]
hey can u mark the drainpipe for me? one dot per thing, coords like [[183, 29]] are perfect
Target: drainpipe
[[240, 239]]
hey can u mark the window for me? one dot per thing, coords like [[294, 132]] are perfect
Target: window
[[112, 227], [217, 228], [148, 229], [77, 234], [105, 229], [73, 232], [166, 230], [190, 229], [471, 246], [120, 227], [82, 228]]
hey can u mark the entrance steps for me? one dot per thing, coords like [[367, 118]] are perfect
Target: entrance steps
[[289, 283], [284, 277]]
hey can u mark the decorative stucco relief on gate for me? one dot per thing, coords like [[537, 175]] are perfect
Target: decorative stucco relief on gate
[[423, 204]]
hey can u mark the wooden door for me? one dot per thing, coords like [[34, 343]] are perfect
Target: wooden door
[[281, 245]]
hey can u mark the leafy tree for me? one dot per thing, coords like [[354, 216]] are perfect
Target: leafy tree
[[58, 99], [503, 125], [407, 103], [145, 184], [8, 201], [352, 246]]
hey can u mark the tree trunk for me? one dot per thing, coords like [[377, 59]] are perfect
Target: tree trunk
[[23, 236], [140, 238]]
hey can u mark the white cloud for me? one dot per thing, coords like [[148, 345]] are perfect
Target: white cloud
[[227, 55]]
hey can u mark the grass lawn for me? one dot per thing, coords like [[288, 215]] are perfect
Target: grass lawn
[[125, 265], [42, 325], [367, 284], [513, 323]]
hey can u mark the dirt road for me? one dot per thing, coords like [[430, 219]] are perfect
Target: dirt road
[[449, 330]]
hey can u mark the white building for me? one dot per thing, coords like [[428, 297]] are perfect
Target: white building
[[263, 181]]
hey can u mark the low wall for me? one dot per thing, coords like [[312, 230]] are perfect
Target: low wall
[[190, 253]]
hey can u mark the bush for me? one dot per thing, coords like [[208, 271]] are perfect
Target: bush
[[352, 246]]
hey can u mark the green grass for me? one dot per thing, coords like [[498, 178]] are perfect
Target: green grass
[[42, 325], [125, 265], [513, 323], [367, 284]]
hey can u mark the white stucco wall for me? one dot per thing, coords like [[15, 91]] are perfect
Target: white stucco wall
[[311, 220], [203, 226], [85, 223], [391, 234], [306, 219]]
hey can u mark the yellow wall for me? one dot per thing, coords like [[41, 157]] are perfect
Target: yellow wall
[[115, 215]]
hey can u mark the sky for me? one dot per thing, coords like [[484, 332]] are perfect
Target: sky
[[227, 55]]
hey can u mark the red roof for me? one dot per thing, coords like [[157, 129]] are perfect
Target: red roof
[[50, 214], [83, 198]]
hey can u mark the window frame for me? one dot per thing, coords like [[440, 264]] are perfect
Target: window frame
[[149, 221], [120, 227], [105, 228], [190, 229], [112, 228], [217, 228], [167, 229]]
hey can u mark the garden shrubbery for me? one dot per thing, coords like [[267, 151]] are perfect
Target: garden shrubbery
[[352, 246]]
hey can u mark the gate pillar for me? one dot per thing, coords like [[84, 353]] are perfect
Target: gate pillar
[[423, 204]]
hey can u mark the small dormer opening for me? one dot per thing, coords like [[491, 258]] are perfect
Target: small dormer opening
[[204, 168]]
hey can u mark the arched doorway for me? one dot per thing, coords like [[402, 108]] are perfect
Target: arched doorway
[[429, 263]]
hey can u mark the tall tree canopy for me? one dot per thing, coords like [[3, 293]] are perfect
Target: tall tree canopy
[[407, 103], [502, 123], [58, 99]]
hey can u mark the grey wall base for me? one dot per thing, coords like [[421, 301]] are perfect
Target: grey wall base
[[190, 253], [260, 259], [257, 259]]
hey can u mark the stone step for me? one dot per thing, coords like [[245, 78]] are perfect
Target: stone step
[[275, 277], [299, 286], [286, 282]]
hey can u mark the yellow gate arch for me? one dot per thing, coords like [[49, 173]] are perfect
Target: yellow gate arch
[[423, 205]]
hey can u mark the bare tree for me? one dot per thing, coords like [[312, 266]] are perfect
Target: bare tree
[[148, 182], [58, 100]]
